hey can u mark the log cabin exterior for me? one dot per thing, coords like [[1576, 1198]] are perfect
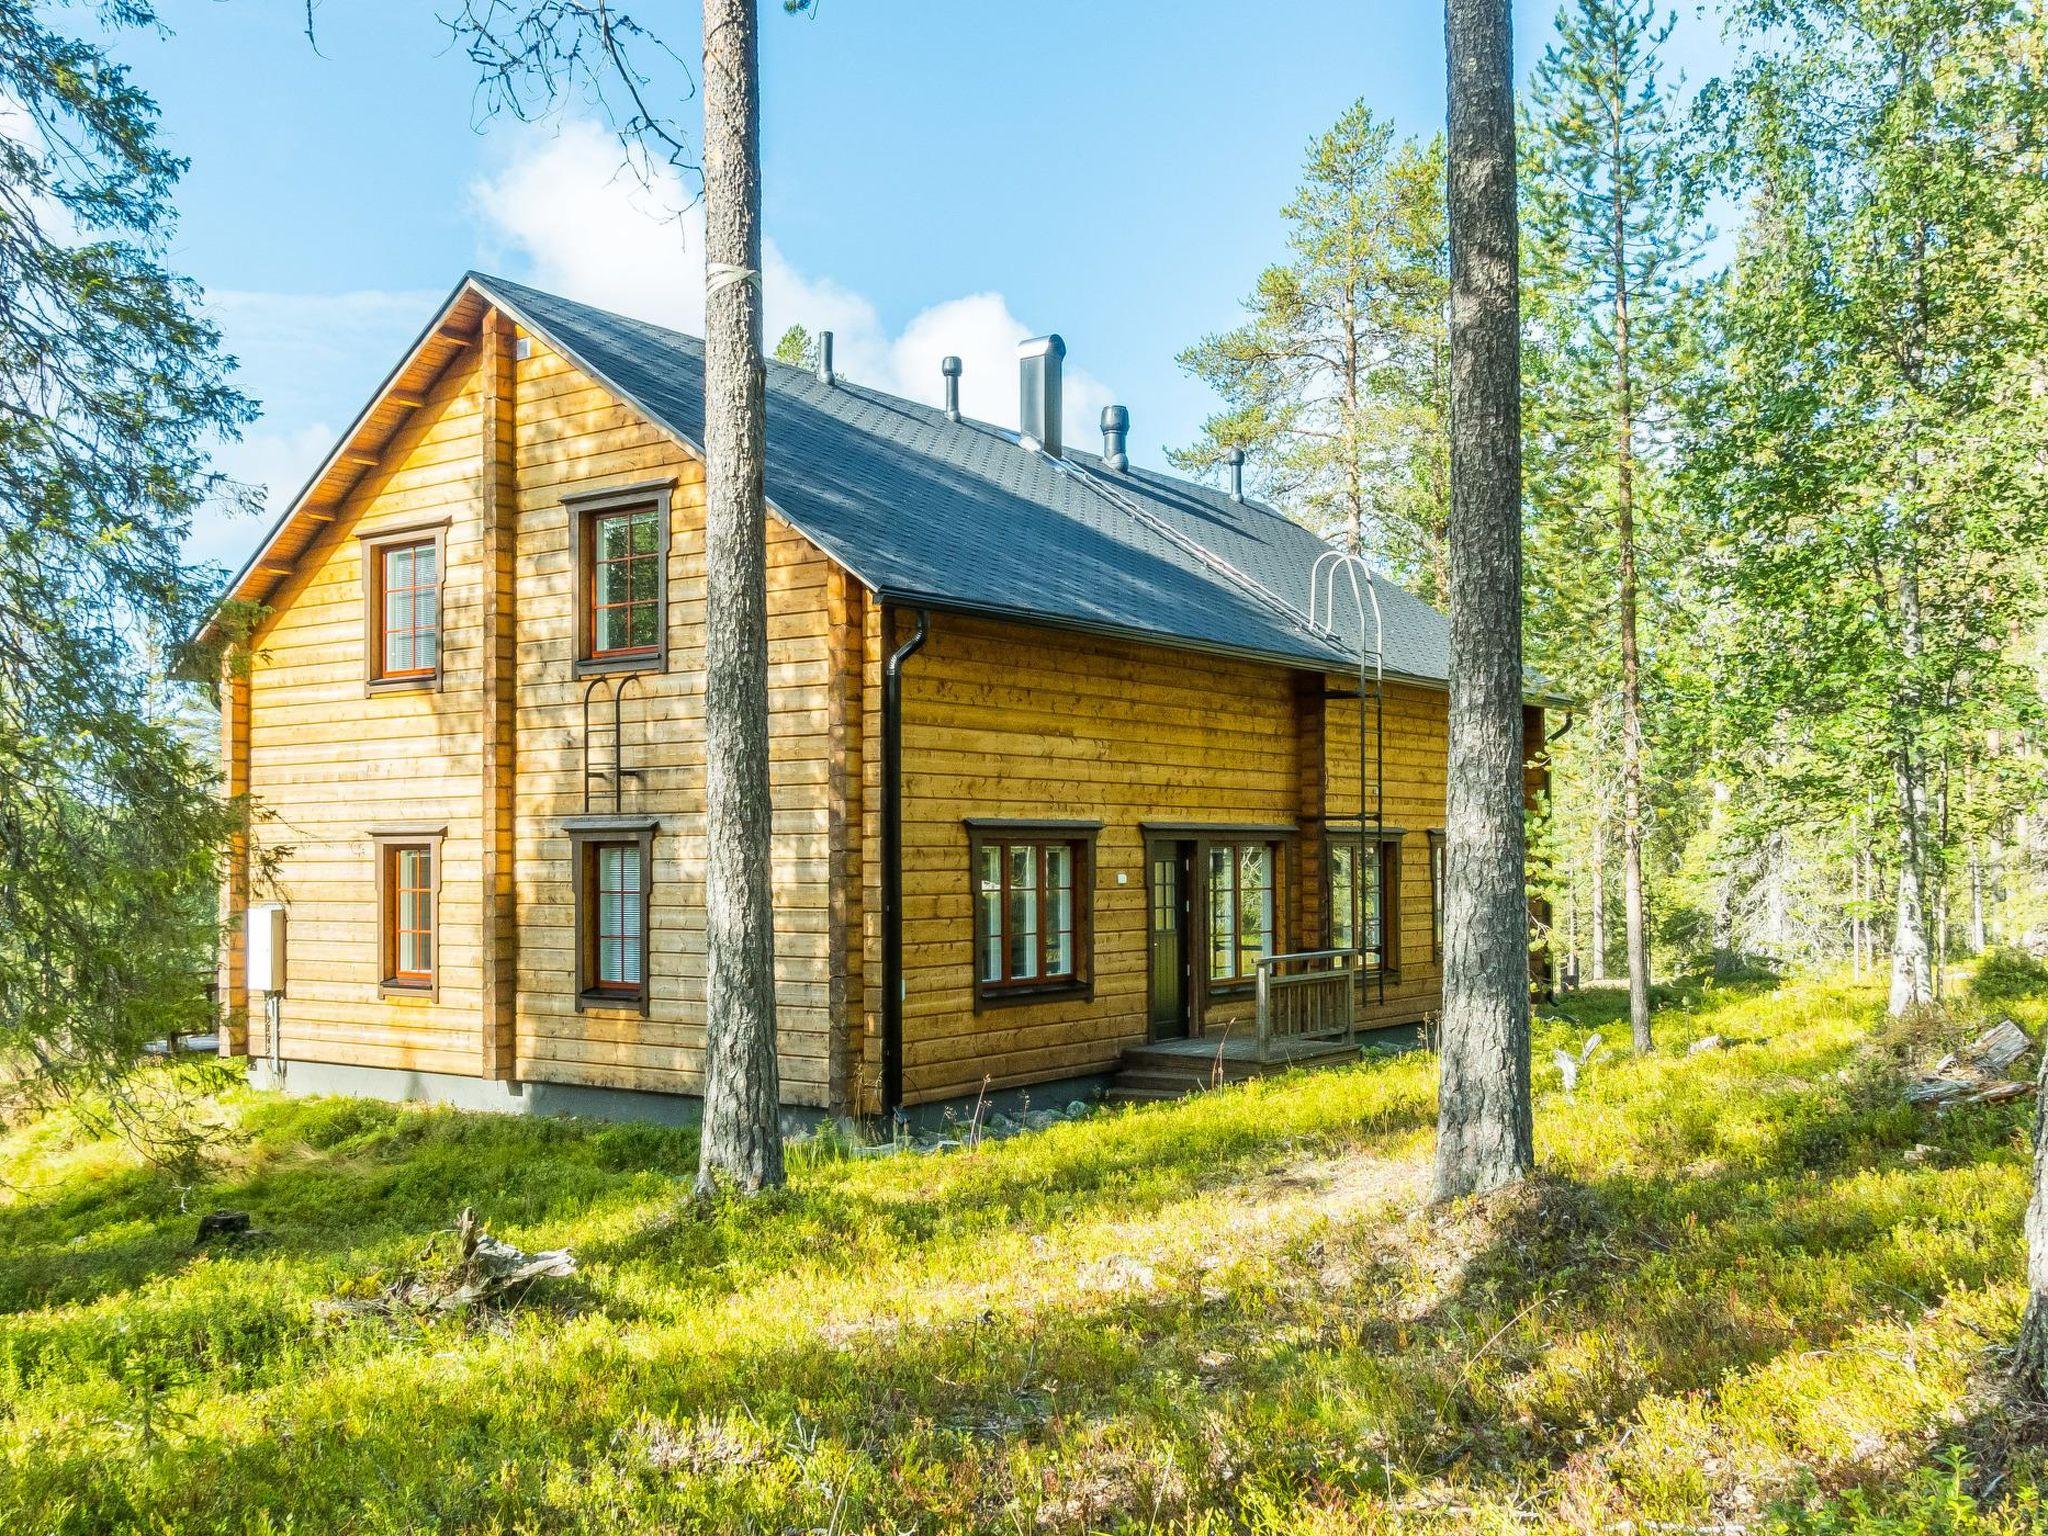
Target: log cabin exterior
[[469, 723]]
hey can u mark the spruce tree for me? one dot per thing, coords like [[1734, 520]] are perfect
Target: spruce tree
[[113, 391]]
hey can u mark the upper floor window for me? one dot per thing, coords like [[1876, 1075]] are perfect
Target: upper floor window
[[621, 543], [1364, 886], [1032, 887], [409, 583], [625, 582], [1242, 902], [402, 574]]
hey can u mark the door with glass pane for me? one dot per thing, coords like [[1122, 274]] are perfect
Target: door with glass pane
[[1167, 877]]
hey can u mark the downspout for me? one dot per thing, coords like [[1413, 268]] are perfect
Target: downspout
[[892, 860]]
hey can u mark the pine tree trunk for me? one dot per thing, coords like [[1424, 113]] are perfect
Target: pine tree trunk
[[742, 1139], [2032, 1359], [1598, 940], [1634, 918], [1912, 978], [1484, 1133]]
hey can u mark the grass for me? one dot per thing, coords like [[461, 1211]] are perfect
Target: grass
[[1749, 1291]]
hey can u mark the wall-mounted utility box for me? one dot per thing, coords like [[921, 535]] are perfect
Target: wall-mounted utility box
[[265, 947]]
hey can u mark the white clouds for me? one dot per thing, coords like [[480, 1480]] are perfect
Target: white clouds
[[578, 223], [563, 214]]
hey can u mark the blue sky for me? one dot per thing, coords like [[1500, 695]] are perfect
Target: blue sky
[[940, 175]]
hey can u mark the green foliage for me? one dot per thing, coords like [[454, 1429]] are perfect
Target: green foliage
[[797, 348], [1738, 1271], [1337, 385], [112, 392], [1866, 452], [2006, 975]]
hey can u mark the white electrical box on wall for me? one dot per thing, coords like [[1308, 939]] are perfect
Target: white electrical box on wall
[[265, 947]]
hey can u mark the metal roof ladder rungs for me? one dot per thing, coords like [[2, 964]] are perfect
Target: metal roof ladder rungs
[[1339, 574]]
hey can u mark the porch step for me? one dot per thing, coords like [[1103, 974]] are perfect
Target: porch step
[[1173, 1069]]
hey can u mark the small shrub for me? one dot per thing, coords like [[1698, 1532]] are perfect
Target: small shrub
[[2007, 975]]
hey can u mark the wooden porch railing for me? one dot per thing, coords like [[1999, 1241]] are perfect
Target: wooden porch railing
[[1307, 996]]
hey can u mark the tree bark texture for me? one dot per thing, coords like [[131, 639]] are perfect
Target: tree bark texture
[[2032, 1359], [1484, 1133], [742, 1138]]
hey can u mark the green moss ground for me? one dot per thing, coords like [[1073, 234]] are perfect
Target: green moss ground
[[1751, 1290]]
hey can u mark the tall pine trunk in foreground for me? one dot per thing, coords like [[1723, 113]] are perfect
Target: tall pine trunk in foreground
[[742, 1140], [1484, 1134]]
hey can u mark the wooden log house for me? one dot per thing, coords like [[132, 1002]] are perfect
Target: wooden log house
[[1065, 752]]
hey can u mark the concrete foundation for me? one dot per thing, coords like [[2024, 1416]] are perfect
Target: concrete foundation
[[308, 1079]]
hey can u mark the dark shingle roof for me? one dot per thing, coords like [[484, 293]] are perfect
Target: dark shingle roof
[[959, 515]]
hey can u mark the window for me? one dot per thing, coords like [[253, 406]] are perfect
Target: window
[[1241, 909], [409, 586], [402, 574], [1031, 885], [1437, 872], [614, 870], [624, 581], [1365, 897], [621, 550], [408, 865]]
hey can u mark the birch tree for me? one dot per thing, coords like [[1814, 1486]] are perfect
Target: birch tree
[[1485, 1135], [1870, 446]]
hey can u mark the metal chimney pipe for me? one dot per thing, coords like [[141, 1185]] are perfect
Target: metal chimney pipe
[[825, 373], [1235, 459], [950, 367], [1116, 429], [1038, 393]]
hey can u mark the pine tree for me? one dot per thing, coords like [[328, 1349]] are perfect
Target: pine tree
[[1336, 386], [1610, 217], [1485, 1135], [742, 1139], [532, 52]]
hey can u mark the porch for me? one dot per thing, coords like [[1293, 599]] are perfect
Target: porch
[[1305, 1016]]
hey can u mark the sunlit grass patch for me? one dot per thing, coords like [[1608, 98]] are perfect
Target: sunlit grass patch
[[1749, 1287]]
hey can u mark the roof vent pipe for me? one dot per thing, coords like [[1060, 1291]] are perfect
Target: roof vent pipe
[[1038, 393], [950, 367], [1116, 429], [1235, 459], [825, 373]]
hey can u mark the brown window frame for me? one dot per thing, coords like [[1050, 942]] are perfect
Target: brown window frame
[[387, 844], [1079, 838], [585, 510], [373, 546], [588, 834], [1275, 846], [1439, 873], [1390, 841]]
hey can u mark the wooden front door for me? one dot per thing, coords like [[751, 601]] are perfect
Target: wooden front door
[[1168, 874]]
